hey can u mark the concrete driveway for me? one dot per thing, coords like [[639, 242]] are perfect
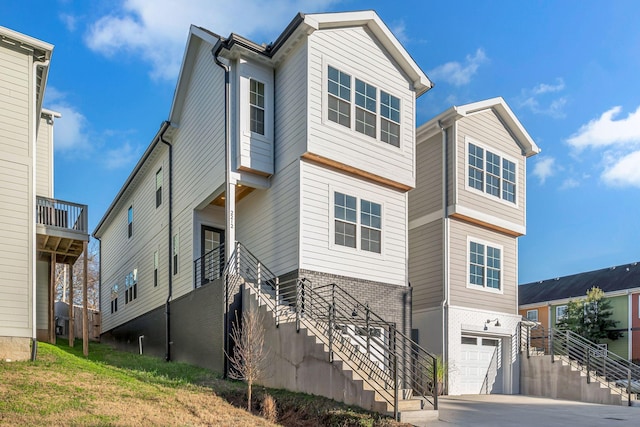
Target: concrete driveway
[[522, 411]]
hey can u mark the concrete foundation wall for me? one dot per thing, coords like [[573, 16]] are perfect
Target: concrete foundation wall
[[196, 329], [15, 348], [540, 377], [298, 363]]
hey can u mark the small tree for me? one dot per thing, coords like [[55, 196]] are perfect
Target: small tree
[[591, 317], [249, 358]]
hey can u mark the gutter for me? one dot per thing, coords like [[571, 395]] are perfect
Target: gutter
[[167, 306], [445, 238], [229, 242], [35, 119]]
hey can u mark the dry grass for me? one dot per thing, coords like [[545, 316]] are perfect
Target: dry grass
[[62, 389], [114, 388]]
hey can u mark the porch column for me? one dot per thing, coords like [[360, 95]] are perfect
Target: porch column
[[85, 314], [72, 331], [230, 213], [52, 297]]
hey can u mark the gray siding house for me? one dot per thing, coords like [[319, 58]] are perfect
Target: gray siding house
[[465, 216], [37, 231]]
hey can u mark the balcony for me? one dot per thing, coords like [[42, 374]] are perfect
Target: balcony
[[61, 229]]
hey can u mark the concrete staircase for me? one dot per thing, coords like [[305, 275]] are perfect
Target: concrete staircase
[[304, 360]]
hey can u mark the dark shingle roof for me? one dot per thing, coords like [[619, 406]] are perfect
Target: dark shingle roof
[[575, 286]]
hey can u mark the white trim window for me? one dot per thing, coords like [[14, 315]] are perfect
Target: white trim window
[[131, 286], [372, 108], [256, 104], [532, 315], [491, 173], [561, 313], [159, 180], [351, 216], [485, 265]]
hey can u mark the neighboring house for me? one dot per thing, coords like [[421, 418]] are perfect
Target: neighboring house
[[37, 231], [306, 159], [62, 321], [546, 302], [465, 216]]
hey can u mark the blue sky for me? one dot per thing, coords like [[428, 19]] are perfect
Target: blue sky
[[568, 69]]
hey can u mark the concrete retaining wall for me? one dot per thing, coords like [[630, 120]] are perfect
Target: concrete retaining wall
[[540, 377], [15, 348]]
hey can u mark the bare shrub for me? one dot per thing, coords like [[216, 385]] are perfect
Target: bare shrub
[[269, 409]]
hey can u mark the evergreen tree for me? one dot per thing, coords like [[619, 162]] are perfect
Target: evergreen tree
[[591, 317]]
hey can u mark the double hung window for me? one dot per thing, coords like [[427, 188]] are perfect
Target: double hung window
[[256, 102], [490, 173], [485, 265], [357, 223]]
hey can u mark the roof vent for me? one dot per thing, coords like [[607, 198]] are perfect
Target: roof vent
[[612, 268], [557, 278], [627, 268], [634, 264]]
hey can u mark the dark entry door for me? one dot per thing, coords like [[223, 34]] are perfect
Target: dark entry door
[[212, 253]]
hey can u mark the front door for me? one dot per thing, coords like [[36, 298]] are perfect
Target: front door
[[211, 252]]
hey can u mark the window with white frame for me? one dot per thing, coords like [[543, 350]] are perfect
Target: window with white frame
[[561, 313], [373, 108], [485, 265], [353, 215], [176, 247], [114, 298], [256, 102], [131, 286], [155, 269], [130, 221], [491, 173], [532, 315]]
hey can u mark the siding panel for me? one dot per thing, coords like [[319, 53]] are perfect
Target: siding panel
[[426, 265]]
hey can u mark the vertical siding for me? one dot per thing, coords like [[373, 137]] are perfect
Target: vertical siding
[[427, 196], [317, 250], [426, 265], [488, 131], [267, 221], [16, 220], [360, 55], [479, 298], [44, 162]]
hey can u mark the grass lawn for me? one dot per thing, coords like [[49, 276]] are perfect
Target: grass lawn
[[113, 388]]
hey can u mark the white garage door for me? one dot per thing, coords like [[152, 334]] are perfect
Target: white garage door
[[480, 365]]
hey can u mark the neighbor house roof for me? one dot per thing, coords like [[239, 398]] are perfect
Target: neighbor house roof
[[612, 279], [498, 105]]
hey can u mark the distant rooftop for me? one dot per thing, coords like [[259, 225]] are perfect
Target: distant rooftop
[[609, 279]]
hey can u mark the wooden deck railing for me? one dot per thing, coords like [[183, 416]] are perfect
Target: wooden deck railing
[[61, 214]]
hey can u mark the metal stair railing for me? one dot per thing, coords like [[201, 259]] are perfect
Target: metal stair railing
[[209, 267], [386, 358], [619, 375]]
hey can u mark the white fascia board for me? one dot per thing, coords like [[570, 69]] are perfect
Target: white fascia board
[[186, 68], [51, 113], [369, 18], [432, 127], [16, 37]]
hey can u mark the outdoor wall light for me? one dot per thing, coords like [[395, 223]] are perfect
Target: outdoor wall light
[[497, 324]]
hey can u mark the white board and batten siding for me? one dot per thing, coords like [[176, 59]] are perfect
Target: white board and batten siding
[[16, 191], [356, 52], [267, 221], [487, 131], [469, 296], [317, 249]]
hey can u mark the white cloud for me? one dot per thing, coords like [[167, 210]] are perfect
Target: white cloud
[[70, 130], [569, 183], [605, 130], [533, 99], [120, 157], [156, 30], [457, 73], [69, 21], [625, 171], [400, 31], [544, 168]]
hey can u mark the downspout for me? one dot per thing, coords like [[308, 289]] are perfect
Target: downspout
[[34, 143], [167, 306], [229, 222], [445, 241]]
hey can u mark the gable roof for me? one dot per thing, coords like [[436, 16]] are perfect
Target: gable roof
[[499, 105], [610, 279], [301, 25]]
